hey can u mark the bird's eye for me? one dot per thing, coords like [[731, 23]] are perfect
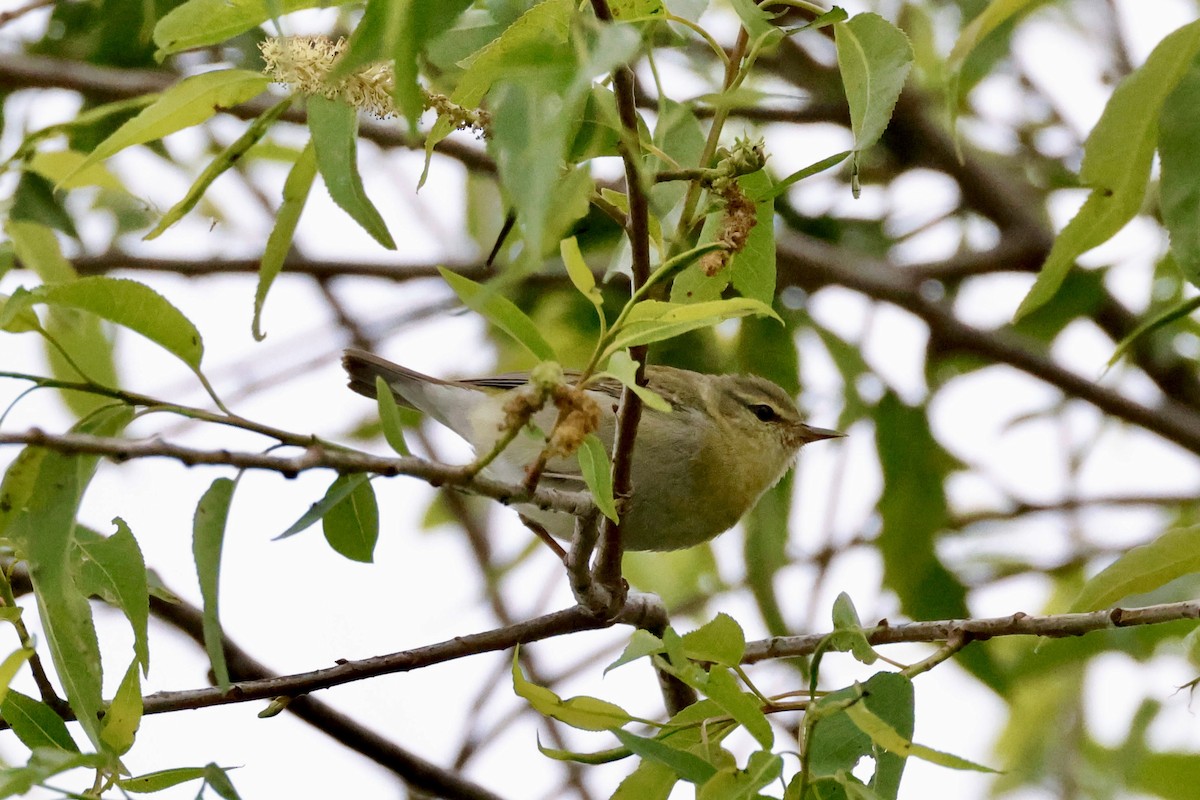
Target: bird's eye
[[764, 412]]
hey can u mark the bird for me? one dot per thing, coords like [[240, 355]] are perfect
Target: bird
[[696, 469]]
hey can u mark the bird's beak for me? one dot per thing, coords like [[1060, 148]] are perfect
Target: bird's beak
[[810, 434]]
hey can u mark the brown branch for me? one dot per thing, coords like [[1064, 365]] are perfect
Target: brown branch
[[312, 457], [811, 263], [321, 270], [107, 83], [1022, 509], [1054, 626]]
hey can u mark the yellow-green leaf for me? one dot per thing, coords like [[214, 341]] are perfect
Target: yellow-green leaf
[[585, 713], [1143, 569]]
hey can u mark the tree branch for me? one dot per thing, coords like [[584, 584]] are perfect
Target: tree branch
[[1055, 626], [312, 457]]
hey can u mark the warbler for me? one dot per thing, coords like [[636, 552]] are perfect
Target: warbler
[[696, 469]]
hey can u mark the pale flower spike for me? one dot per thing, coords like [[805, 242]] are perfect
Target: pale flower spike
[[304, 63]]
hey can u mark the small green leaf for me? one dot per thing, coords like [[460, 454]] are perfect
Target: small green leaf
[[114, 568], [1147, 326], [720, 641], [629, 10], [622, 367], [20, 481], [184, 105], [838, 745], [886, 737], [336, 493], [753, 269], [334, 127], [389, 417], [162, 779], [56, 165], [807, 172], [686, 765], [1116, 160], [222, 162], [1143, 569], [597, 474], [1179, 157], [874, 57], [208, 536], [124, 714], [654, 320], [724, 690], [641, 644], [295, 194], [352, 526], [218, 779], [9, 668], [16, 316], [501, 312], [199, 23], [133, 305], [578, 271], [36, 724], [585, 713], [732, 783], [849, 633]]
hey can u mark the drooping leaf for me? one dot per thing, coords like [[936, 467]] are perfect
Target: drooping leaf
[[132, 305], [295, 194], [43, 533], [185, 104], [585, 713], [124, 714], [1117, 158], [622, 367], [724, 690], [336, 493], [208, 536], [9, 667], [597, 474], [36, 724], [222, 162], [1143, 569], [501, 312], [199, 23], [874, 57], [113, 567], [352, 526], [1179, 157], [334, 127]]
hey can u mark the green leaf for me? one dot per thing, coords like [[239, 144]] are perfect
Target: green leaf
[[807, 172], [199, 23], [16, 316], [334, 127], [124, 714], [36, 724], [654, 320], [597, 474], [222, 162], [578, 271], [886, 737], [184, 105], [838, 745], [849, 634], [389, 417], [56, 165], [545, 25], [629, 10], [720, 641], [43, 534], [352, 526], [162, 779], [1147, 326], [724, 690], [113, 568], [208, 536], [295, 194], [753, 269], [743, 784], [9, 667], [1116, 159], [1143, 569], [686, 765], [1179, 158], [622, 367], [993, 16], [336, 493], [131, 304], [652, 780], [501, 312], [20, 481], [218, 779], [34, 200], [585, 713], [43, 764], [641, 644], [874, 57]]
